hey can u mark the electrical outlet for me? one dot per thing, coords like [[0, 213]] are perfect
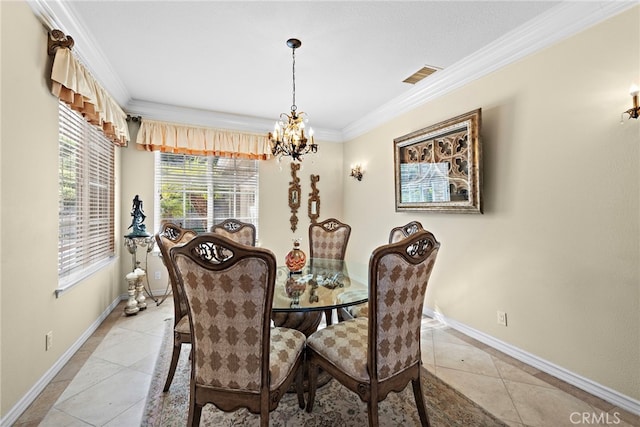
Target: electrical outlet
[[502, 318], [157, 275], [48, 344]]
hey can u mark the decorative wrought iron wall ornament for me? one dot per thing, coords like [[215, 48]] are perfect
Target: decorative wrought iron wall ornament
[[294, 195], [313, 205]]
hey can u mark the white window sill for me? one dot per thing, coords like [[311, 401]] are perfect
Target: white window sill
[[75, 279]]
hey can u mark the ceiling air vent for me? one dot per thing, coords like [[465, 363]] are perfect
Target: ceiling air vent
[[423, 72]]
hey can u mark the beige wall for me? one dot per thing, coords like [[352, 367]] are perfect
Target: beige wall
[[557, 247], [29, 203]]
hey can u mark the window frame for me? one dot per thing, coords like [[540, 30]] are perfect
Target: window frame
[[244, 173], [86, 199]]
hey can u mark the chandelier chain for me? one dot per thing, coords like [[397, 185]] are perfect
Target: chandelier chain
[[293, 55]]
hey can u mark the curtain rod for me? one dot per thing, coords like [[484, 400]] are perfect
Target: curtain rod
[[134, 119]]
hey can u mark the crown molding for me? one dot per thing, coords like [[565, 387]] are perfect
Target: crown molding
[[60, 15], [213, 119], [558, 23], [553, 26]]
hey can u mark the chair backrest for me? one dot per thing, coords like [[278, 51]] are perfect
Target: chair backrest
[[398, 278], [229, 289], [403, 231], [328, 239], [242, 232], [169, 236]]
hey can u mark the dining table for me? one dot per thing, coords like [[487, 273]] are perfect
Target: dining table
[[300, 298], [321, 286]]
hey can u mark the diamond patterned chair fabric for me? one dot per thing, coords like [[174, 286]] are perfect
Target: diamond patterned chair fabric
[[373, 356], [328, 239], [397, 234], [238, 360], [169, 236], [241, 232]]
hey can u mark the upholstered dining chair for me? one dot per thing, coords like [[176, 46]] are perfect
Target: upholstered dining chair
[[238, 360], [169, 236], [328, 239], [395, 235], [242, 232], [379, 354]]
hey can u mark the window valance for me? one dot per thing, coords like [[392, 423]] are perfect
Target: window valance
[[73, 84], [174, 138]]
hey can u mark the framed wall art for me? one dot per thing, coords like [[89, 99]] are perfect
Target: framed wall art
[[313, 205], [438, 168]]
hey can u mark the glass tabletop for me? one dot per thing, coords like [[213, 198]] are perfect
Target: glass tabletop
[[322, 284]]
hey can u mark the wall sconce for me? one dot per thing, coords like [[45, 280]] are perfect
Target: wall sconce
[[634, 112], [357, 171]]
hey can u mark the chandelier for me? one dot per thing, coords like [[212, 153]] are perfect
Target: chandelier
[[289, 137]]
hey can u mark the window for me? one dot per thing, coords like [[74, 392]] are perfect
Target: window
[[86, 195], [197, 192]]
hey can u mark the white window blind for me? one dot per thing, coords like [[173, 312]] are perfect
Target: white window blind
[[197, 192], [86, 195]]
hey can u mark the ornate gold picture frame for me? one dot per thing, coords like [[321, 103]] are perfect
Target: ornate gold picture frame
[[438, 168], [313, 205]]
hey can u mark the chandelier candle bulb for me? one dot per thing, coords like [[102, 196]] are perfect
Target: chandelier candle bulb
[[633, 91], [633, 112]]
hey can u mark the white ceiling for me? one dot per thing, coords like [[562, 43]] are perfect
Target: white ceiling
[[228, 61]]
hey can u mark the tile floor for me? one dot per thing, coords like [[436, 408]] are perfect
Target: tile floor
[[107, 380]]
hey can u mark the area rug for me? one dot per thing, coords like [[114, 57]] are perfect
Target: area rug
[[335, 405]]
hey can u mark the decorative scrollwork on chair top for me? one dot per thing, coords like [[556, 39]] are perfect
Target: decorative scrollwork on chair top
[[420, 248], [212, 252], [171, 232], [416, 247], [411, 228], [231, 226], [331, 225]]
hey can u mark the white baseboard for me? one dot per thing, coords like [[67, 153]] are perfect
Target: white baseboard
[[603, 392], [17, 410]]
